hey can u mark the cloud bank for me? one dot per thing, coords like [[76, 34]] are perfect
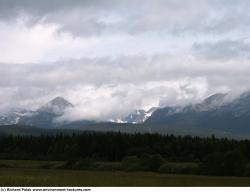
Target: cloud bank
[[111, 57]]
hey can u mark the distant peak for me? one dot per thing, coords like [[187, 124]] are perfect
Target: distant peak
[[139, 111], [152, 109], [245, 94], [60, 101], [217, 97]]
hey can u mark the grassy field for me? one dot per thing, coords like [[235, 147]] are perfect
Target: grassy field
[[34, 173], [45, 177], [29, 164]]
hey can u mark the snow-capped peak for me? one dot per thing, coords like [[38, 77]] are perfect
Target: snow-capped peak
[[56, 105], [137, 116]]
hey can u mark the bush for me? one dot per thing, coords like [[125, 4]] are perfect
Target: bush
[[231, 163], [108, 166], [47, 166], [146, 162], [179, 168], [131, 163], [82, 164], [247, 170], [151, 162]]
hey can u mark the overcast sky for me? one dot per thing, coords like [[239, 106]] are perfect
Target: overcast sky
[[109, 57]]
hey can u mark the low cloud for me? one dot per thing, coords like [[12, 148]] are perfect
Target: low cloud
[[111, 57], [222, 50], [105, 88]]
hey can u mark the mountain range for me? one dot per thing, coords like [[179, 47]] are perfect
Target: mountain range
[[137, 116], [44, 117], [215, 114]]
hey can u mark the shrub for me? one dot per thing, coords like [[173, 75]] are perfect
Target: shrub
[[247, 170], [82, 164], [151, 162], [108, 166], [230, 163], [179, 168], [131, 163], [146, 162]]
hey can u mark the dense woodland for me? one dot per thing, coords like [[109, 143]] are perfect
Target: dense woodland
[[136, 151]]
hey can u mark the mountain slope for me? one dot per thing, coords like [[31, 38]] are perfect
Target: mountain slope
[[45, 116], [212, 113], [137, 116], [12, 117]]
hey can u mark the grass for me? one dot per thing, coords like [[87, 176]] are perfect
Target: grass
[[52, 177], [29, 164], [34, 173]]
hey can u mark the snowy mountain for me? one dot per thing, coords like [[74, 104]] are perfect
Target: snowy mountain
[[12, 117], [137, 116], [56, 106], [210, 103], [45, 116], [213, 113], [42, 117]]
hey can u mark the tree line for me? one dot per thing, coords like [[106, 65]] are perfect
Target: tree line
[[216, 156]]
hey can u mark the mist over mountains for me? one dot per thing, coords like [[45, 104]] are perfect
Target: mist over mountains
[[133, 64], [215, 114]]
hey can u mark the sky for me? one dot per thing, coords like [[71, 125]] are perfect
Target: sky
[[109, 57]]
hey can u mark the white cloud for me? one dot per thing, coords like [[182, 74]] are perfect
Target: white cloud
[[110, 57]]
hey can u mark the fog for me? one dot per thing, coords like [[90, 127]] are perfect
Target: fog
[[109, 58]]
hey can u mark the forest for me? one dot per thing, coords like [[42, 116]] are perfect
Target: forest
[[133, 152]]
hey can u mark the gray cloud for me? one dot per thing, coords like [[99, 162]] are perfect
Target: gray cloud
[[222, 50], [104, 88], [89, 18], [111, 57]]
